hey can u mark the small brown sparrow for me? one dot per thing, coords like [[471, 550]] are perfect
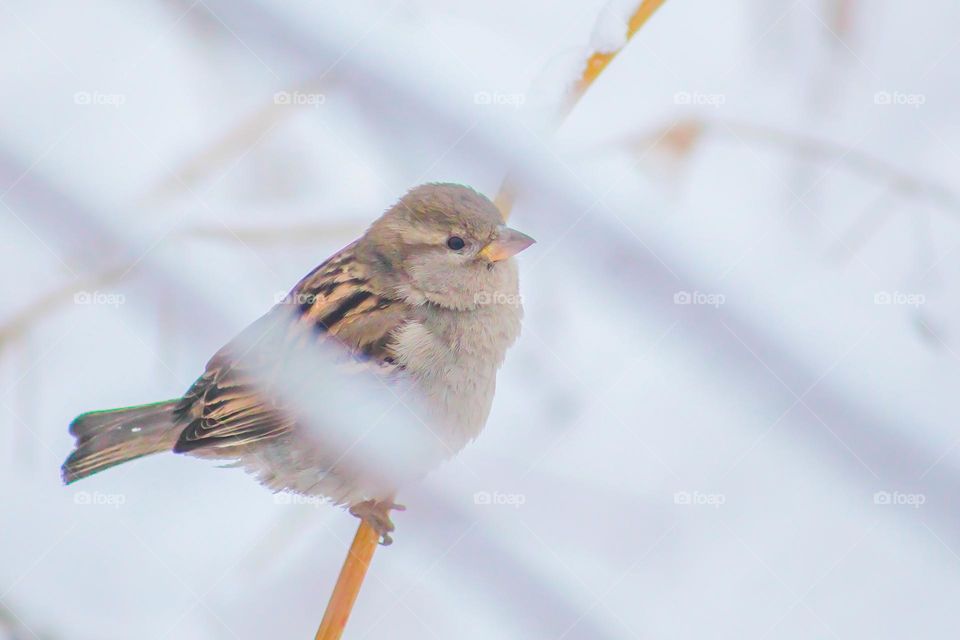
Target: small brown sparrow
[[427, 300]]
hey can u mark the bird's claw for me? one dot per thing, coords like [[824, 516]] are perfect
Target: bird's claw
[[376, 513]]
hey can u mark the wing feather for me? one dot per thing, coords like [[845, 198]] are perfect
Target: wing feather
[[230, 405]]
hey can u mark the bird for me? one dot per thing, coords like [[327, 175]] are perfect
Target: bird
[[426, 300]]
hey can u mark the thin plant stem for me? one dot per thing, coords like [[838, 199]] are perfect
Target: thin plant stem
[[348, 583], [595, 65]]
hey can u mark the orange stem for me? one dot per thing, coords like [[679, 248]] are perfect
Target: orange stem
[[348, 583], [599, 61], [595, 66]]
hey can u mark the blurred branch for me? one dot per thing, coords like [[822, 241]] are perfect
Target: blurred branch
[[235, 142], [208, 160], [96, 244], [681, 138], [871, 218], [51, 302], [268, 236], [595, 65], [21, 322], [201, 165], [871, 166]]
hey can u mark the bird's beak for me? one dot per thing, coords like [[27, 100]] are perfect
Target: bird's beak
[[509, 242]]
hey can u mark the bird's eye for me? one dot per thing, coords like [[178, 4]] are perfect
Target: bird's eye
[[456, 243]]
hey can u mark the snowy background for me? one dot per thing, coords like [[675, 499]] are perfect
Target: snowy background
[[732, 413]]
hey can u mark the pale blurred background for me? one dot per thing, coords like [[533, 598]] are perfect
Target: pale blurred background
[[732, 413]]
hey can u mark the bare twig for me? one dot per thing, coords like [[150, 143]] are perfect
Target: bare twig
[[22, 321], [348, 583], [235, 142], [877, 169], [267, 236], [594, 67], [51, 302], [599, 60]]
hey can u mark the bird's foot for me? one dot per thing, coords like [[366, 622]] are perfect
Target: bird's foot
[[377, 514]]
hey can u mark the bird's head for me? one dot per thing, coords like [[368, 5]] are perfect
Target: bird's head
[[445, 244]]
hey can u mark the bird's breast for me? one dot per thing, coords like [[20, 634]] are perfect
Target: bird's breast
[[453, 358]]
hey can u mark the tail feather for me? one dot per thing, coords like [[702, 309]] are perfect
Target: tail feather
[[107, 438]]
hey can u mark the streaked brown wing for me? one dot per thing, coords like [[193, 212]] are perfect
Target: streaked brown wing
[[231, 403]]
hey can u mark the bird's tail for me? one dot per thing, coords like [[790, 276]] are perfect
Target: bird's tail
[[107, 438]]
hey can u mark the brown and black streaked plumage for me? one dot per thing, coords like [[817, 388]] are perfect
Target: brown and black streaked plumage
[[226, 407]]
